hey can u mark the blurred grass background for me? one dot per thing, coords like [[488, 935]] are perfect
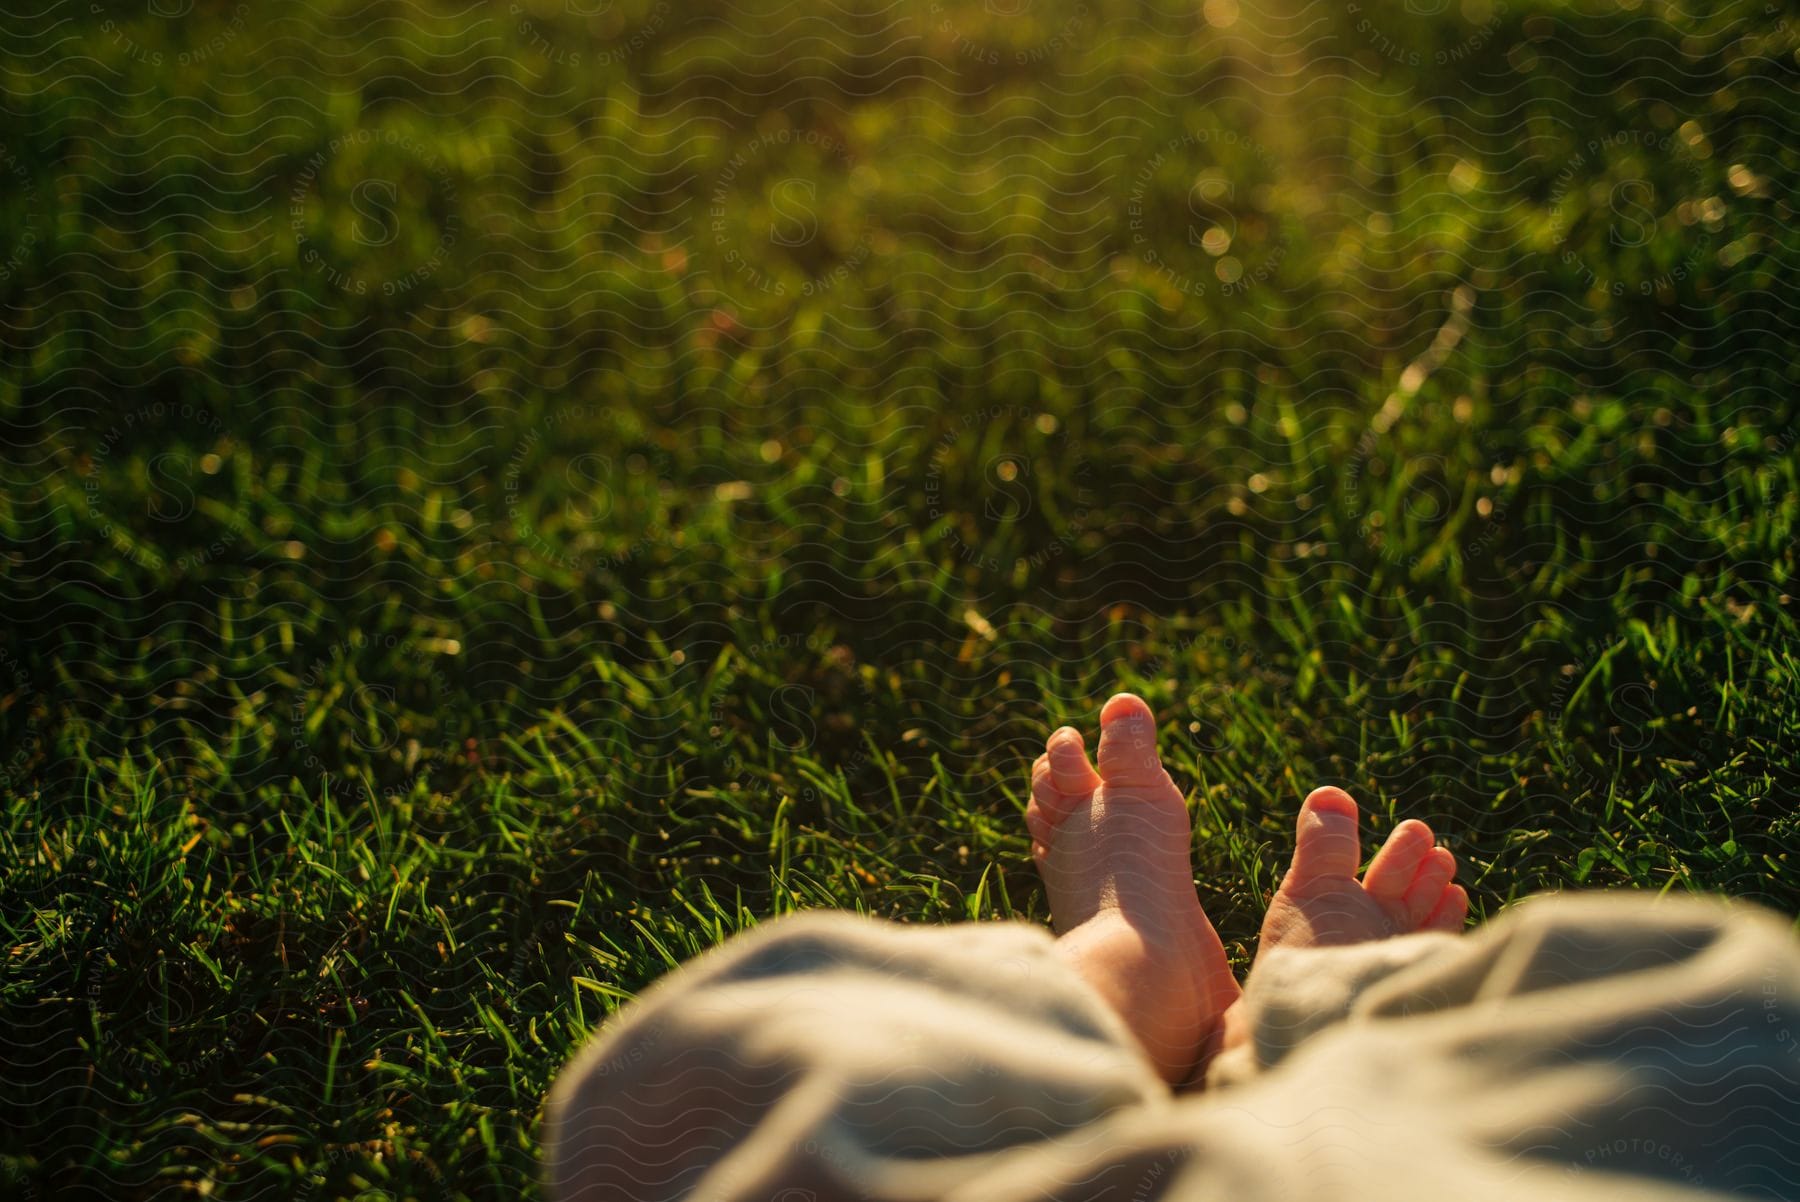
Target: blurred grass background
[[500, 497]]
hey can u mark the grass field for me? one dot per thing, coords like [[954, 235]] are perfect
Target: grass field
[[500, 497]]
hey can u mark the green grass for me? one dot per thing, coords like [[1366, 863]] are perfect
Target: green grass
[[431, 610]]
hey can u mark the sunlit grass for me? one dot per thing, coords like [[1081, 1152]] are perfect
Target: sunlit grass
[[689, 488]]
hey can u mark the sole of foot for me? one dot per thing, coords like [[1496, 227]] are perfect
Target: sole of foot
[[1111, 840]]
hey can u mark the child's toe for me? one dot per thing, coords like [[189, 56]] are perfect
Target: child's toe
[[1067, 760], [1451, 913], [1421, 898], [1395, 866]]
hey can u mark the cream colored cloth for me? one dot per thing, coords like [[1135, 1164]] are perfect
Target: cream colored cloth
[[1592, 1047]]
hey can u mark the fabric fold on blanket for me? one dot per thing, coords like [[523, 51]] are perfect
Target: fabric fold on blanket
[[1586, 1047]]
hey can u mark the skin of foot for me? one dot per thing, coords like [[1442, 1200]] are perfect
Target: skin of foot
[[1321, 903], [1111, 841]]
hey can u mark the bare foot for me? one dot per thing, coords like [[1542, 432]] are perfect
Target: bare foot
[[1321, 903], [1112, 848]]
